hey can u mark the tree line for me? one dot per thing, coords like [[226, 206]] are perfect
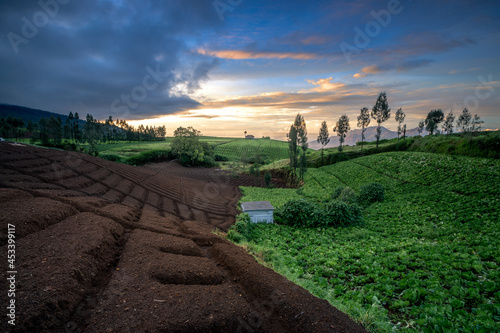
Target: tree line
[[381, 112], [52, 131]]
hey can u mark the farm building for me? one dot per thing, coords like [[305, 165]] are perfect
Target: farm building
[[259, 211]]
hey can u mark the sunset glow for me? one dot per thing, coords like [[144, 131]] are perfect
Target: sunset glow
[[254, 65]]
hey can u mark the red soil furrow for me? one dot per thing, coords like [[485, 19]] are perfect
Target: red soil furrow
[[112, 180], [113, 196], [57, 267], [99, 175], [76, 183], [74, 215], [95, 189]]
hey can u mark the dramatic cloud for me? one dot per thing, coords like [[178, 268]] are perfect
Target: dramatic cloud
[[119, 58]]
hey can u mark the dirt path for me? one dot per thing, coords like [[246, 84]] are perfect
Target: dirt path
[[106, 247]]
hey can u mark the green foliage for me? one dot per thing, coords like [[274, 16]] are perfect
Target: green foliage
[[380, 112], [341, 213], [363, 123], [243, 229], [426, 258], [267, 179], [150, 156], [348, 195], [337, 192], [300, 213], [341, 128], [371, 193], [276, 196], [434, 118], [186, 146], [221, 158], [236, 150], [308, 214], [113, 158]]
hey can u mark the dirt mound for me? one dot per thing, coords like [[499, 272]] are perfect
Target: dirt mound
[[105, 247]]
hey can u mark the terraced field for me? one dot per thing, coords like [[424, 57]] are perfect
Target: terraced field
[[106, 247], [240, 149], [425, 259]]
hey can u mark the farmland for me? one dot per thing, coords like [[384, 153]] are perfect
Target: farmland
[[269, 150], [425, 259]]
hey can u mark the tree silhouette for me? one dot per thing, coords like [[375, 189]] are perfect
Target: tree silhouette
[[363, 122], [381, 112], [323, 137]]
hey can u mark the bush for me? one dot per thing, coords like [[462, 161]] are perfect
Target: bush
[[347, 195], [150, 156], [339, 213], [300, 213], [337, 192], [243, 228], [267, 179], [307, 214], [220, 158], [371, 193]]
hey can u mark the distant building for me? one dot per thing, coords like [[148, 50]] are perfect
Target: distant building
[[259, 211], [249, 136]]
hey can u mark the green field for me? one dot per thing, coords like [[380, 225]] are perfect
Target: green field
[[269, 150], [426, 258]]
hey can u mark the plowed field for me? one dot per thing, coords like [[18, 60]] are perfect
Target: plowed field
[[106, 247]]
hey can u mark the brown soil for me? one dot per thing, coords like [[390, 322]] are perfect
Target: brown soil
[[105, 247]]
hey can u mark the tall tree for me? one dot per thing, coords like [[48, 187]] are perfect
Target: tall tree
[[448, 123], [293, 151], [434, 117], [400, 118], [381, 112], [464, 120], [297, 138], [341, 128], [323, 137], [363, 122], [421, 126], [187, 147], [476, 124]]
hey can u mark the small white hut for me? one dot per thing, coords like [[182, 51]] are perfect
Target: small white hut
[[259, 211]]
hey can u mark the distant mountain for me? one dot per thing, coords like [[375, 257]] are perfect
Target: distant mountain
[[355, 136], [28, 114]]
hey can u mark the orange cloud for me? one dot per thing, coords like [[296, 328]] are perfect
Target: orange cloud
[[240, 55], [368, 70], [325, 85]]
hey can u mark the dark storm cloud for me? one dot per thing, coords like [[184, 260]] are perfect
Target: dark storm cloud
[[91, 54]]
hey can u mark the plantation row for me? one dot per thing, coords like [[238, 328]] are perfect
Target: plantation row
[[270, 150], [426, 258]]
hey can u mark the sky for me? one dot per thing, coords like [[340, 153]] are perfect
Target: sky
[[227, 67]]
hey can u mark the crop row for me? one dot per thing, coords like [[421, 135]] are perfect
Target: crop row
[[426, 258]]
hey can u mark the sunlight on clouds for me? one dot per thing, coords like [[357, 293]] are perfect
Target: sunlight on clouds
[[241, 55], [325, 85]]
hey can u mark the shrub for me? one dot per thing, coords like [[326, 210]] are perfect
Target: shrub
[[300, 213], [150, 156], [371, 193], [244, 226], [339, 213], [234, 236], [336, 193], [347, 195], [220, 158], [303, 213], [267, 179]]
